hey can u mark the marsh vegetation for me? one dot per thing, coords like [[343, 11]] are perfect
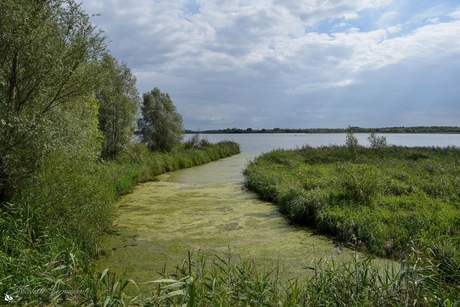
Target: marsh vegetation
[[390, 201]]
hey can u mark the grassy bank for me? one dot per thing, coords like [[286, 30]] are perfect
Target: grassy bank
[[51, 229], [388, 201]]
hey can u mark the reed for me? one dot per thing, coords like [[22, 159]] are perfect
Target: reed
[[231, 281]]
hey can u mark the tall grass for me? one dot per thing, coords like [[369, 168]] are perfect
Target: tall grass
[[139, 164], [232, 281], [384, 197]]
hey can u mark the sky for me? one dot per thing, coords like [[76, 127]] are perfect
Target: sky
[[292, 63]]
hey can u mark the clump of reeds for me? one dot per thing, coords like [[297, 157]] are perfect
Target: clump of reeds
[[231, 281]]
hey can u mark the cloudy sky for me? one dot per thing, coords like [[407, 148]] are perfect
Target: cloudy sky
[[292, 63]]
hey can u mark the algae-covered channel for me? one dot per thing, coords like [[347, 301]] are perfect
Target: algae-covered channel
[[206, 209]]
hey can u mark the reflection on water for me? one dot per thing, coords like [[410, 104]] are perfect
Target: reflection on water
[[207, 209]]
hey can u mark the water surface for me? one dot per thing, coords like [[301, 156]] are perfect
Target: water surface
[[259, 142], [207, 209]]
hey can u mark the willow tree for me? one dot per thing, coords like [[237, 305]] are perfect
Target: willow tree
[[48, 50], [161, 125], [118, 106]]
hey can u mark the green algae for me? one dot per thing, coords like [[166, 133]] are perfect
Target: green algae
[[206, 209]]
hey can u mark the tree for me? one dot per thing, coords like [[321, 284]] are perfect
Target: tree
[[119, 104], [351, 141], [377, 141], [160, 126], [47, 60]]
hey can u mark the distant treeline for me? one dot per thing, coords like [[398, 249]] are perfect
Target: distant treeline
[[419, 129]]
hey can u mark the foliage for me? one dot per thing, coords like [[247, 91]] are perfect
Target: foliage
[[160, 126], [195, 141], [48, 50], [376, 141], [139, 164], [379, 200], [385, 197], [119, 102], [351, 140], [55, 196], [231, 281], [77, 204]]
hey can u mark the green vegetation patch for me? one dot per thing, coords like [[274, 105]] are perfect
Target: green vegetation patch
[[398, 202], [379, 199]]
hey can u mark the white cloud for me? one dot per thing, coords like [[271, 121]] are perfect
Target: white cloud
[[210, 54], [312, 87], [374, 49], [455, 14], [314, 11]]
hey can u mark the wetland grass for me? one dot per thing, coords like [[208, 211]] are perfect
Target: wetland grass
[[232, 281], [428, 274], [389, 201]]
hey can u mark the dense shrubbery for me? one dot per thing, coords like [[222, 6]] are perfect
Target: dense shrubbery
[[381, 199], [65, 104]]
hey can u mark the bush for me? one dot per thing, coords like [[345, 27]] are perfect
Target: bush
[[377, 141], [70, 196]]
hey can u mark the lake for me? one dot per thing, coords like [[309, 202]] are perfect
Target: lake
[[259, 143]]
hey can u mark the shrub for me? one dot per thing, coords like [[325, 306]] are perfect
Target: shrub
[[377, 141]]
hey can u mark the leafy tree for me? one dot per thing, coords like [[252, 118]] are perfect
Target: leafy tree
[[119, 104], [47, 50], [351, 141], [377, 141], [160, 126]]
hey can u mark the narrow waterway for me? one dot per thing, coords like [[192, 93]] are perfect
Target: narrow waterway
[[206, 209]]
